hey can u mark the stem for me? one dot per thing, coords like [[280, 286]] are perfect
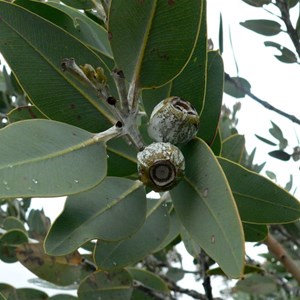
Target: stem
[[108, 134], [262, 102], [119, 78], [285, 16], [203, 258], [280, 253]]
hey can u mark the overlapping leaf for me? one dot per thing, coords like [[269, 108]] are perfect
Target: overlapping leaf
[[37, 67], [206, 208], [153, 40], [62, 270], [113, 255], [113, 210], [259, 200], [47, 158], [106, 286]]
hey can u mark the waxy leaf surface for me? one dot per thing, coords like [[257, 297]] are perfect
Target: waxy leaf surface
[[207, 210], [48, 158]]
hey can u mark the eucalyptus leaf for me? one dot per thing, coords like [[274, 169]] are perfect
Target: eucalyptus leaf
[[280, 154], [152, 41], [233, 148], [29, 294], [47, 158], [206, 208], [114, 255], [73, 21], [236, 87], [149, 280], [259, 200], [9, 242], [106, 286], [2, 297], [61, 270], [210, 114], [24, 113], [287, 56], [265, 27], [265, 140], [112, 211], [37, 68], [255, 232]]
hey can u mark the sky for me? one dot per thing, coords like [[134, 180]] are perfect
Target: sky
[[271, 80]]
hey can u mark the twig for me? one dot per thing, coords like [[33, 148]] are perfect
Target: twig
[[262, 102], [285, 16], [280, 253], [150, 292], [203, 260]]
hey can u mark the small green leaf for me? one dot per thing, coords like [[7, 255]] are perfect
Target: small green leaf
[[236, 86], [255, 232], [287, 56], [113, 255], [149, 279], [257, 285], [233, 148], [173, 232], [257, 3], [259, 200], [265, 140], [7, 290], [106, 286], [271, 175], [38, 224], [280, 154], [47, 158], [29, 294], [206, 208], [190, 245], [277, 134], [292, 3], [289, 184], [62, 270], [210, 114], [248, 269], [153, 40], [264, 27], [100, 213], [10, 223], [24, 113], [9, 241]]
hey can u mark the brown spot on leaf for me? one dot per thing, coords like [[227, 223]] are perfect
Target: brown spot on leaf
[[171, 2], [78, 117], [110, 36], [72, 106]]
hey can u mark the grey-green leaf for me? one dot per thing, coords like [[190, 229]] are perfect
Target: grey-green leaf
[[264, 27], [113, 255], [48, 158], [153, 40], [206, 208], [259, 200], [112, 211], [106, 286]]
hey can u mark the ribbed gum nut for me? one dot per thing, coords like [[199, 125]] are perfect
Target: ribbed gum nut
[[160, 166], [173, 120]]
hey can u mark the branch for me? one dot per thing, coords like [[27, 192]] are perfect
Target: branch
[[280, 253], [285, 16], [204, 259], [262, 102]]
